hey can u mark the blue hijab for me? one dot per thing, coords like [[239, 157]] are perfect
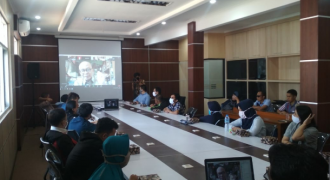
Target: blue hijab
[[249, 112], [115, 148]]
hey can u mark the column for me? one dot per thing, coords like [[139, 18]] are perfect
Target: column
[[315, 60], [195, 69]]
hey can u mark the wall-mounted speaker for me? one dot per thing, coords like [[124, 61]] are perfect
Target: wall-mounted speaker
[[33, 70]]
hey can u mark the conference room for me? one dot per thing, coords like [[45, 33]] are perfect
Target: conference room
[[171, 90]]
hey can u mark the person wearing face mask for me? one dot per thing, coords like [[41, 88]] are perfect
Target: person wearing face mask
[[231, 103], [302, 129], [143, 97], [157, 91], [249, 120], [71, 110], [175, 105], [214, 116], [87, 156], [81, 122], [57, 135], [116, 156], [137, 82], [159, 104]]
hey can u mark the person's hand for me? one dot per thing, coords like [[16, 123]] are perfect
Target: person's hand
[[235, 128], [152, 105], [308, 120], [194, 120], [165, 109], [133, 177], [49, 99], [94, 122]]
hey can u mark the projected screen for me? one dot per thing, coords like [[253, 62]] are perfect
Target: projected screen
[[90, 68]]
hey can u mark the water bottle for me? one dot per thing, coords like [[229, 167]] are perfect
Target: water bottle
[[227, 120]]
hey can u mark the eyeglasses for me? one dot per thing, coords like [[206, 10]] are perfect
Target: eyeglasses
[[258, 96], [85, 70]]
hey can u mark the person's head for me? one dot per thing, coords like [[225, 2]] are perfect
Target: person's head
[[143, 88], [158, 99], [72, 107], [235, 95], [72, 96], [85, 110], [246, 111], [157, 91], [86, 70], [261, 96], [137, 76], [115, 150], [291, 95], [45, 95], [64, 98], [214, 106], [174, 98], [301, 114], [57, 118], [221, 173], [245, 104], [105, 127], [294, 161]]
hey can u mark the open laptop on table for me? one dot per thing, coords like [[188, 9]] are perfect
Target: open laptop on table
[[238, 168], [111, 104]]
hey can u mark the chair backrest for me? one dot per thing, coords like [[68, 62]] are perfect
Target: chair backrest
[[49, 146], [73, 134], [270, 129], [191, 112], [182, 100], [56, 168], [321, 140]]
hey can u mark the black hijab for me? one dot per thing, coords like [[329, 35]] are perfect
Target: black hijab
[[249, 112]]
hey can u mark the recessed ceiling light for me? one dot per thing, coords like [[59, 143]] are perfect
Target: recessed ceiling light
[[37, 17], [138, 34], [213, 1], [38, 28], [163, 23]]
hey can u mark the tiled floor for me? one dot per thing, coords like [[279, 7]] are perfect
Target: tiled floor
[[30, 162]]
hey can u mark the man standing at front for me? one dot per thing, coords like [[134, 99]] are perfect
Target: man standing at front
[[262, 104]]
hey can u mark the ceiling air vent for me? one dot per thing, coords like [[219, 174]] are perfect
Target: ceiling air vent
[[143, 2], [109, 20]]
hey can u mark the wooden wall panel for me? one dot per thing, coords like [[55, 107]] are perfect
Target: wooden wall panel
[[49, 73], [196, 54], [164, 55], [34, 39], [129, 70], [127, 91], [135, 55], [166, 45], [35, 53], [133, 43], [164, 72], [52, 89], [167, 88]]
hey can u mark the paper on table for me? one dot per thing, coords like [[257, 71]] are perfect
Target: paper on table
[[150, 144], [187, 166], [136, 135]]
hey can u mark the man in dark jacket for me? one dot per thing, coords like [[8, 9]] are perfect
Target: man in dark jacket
[[57, 135], [159, 103], [87, 156], [214, 116]]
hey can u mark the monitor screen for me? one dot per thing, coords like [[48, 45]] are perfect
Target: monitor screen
[[111, 103], [240, 87], [254, 87], [236, 69], [257, 69]]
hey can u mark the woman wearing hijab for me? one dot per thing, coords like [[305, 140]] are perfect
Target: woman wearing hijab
[[249, 120], [116, 156], [214, 116]]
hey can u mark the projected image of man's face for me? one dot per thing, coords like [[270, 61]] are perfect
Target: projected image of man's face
[[86, 71]]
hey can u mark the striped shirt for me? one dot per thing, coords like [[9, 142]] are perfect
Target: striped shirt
[[288, 107]]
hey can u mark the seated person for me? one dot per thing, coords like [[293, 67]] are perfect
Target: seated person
[[64, 99], [159, 104], [231, 103], [302, 129], [81, 122], [116, 156], [263, 104], [290, 106], [157, 91], [249, 120], [288, 162], [214, 116], [71, 97], [143, 97], [87, 156], [175, 105], [45, 97], [71, 110], [57, 135]]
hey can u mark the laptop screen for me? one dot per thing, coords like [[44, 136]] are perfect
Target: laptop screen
[[111, 104], [229, 169]]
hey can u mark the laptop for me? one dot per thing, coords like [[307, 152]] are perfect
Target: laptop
[[111, 104], [237, 168]]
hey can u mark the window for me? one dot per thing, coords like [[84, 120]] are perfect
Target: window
[[4, 81], [15, 46], [214, 78]]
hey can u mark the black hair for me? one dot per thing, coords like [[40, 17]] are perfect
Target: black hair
[[73, 96], [64, 98], [177, 96], [44, 94], [303, 112], [144, 87], [70, 105], [263, 93], [85, 110], [136, 74], [105, 125], [294, 161], [158, 90], [159, 97], [56, 116], [292, 92]]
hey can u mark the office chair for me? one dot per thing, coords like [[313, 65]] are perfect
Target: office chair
[[321, 140]]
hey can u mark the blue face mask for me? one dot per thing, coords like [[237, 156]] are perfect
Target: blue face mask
[[210, 112]]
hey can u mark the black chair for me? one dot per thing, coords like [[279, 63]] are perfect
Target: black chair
[[321, 140], [270, 130], [73, 134], [182, 100], [54, 161], [191, 112]]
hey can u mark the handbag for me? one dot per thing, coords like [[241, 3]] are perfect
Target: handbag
[[156, 110], [269, 140], [243, 133]]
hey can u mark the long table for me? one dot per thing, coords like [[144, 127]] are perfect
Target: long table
[[177, 144]]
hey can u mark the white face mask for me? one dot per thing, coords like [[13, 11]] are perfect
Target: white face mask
[[171, 101], [154, 94], [241, 114], [295, 119]]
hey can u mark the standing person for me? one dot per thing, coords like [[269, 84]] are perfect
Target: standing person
[[263, 104], [290, 106], [137, 82], [143, 97]]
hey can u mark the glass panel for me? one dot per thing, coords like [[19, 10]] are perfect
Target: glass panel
[[3, 31], [15, 46], [2, 95], [214, 78]]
